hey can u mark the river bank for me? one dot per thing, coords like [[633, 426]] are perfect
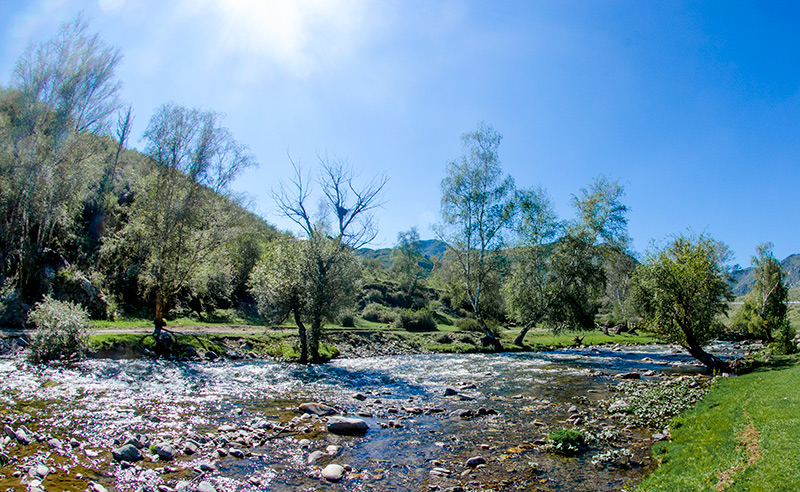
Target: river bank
[[435, 422]]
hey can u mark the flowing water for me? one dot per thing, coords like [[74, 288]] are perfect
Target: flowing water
[[514, 398]]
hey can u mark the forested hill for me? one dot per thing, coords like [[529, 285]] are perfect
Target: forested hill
[[744, 279], [427, 248]]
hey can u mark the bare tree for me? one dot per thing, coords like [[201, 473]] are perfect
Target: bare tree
[[345, 222]]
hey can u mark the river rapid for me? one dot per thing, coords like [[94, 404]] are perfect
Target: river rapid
[[244, 418]]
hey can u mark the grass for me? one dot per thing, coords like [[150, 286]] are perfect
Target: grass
[[741, 437]]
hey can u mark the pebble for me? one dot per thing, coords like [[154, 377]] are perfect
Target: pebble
[[333, 472], [206, 486]]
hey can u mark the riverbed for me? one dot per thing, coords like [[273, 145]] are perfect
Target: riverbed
[[244, 418]]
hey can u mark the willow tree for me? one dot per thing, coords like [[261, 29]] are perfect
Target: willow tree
[[180, 218], [477, 206], [682, 289], [319, 269]]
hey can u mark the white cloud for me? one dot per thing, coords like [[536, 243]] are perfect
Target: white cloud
[[298, 36], [110, 5]]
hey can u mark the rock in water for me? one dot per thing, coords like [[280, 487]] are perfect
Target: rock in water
[[318, 409], [475, 461], [333, 473], [166, 451], [347, 426], [128, 452]]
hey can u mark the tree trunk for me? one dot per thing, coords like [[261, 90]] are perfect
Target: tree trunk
[[316, 328], [712, 362], [158, 321], [489, 339], [301, 329], [521, 336]]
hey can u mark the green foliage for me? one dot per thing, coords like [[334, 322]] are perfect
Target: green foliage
[[567, 441], [765, 309], [61, 331], [407, 260], [421, 320], [477, 205], [469, 324], [378, 314], [653, 403], [682, 289]]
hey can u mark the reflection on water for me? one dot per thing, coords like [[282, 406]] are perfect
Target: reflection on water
[[100, 400]]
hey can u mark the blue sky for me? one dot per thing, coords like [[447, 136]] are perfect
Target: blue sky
[[693, 106]]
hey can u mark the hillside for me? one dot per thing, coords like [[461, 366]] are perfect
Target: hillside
[[743, 280], [428, 248]]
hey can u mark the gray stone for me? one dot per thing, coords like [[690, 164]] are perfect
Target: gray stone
[[236, 453], [39, 471], [190, 447], [166, 451], [127, 452], [182, 486], [96, 487], [618, 406], [315, 456], [442, 472], [55, 443], [450, 392], [475, 461], [206, 486], [347, 426], [629, 375], [318, 409], [333, 472]]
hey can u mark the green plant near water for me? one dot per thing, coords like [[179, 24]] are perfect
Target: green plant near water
[[61, 331], [653, 403], [567, 441]]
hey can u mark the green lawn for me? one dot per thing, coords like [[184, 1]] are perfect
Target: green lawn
[[743, 436]]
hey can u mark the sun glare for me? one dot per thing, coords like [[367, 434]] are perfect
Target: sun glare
[[299, 35]]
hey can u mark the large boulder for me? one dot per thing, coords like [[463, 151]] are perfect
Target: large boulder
[[333, 473], [128, 452], [347, 426]]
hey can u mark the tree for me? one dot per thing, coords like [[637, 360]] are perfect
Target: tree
[[180, 218], [765, 309], [681, 290], [406, 260], [477, 206], [531, 287], [60, 88], [345, 222], [558, 275]]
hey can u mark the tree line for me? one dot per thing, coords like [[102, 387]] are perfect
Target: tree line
[[84, 218]]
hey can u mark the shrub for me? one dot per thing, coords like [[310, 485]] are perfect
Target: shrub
[[567, 441], [61, 331], [348, 320], [421, 320], [378, 314], [469, 324]]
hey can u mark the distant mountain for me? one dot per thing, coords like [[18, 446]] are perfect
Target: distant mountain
[[744, 280], [428, 248]]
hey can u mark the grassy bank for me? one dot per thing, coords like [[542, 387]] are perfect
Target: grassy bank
[[741, 437], [131, 337]]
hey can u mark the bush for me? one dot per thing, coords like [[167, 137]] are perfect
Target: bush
[[378, 314], [348, 320], [421, 320], [469, 324], [61, 331], [567, 441]]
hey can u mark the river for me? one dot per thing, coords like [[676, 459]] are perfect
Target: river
[[507, 403]]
